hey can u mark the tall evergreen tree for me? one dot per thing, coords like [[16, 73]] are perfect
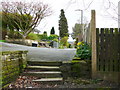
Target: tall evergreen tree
[[52, 31], [63, 25], [45, 33]]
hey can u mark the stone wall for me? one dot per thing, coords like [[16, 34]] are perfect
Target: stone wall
[[75, 68], [20, 41], [13, 63]]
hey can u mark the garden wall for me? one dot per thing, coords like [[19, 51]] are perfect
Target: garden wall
[[20, 41], [76, 68], [13, 63]]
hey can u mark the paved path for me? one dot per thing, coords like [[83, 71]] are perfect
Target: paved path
[[36, 53]]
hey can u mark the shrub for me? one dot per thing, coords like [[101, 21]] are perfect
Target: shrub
[[63, 41], [53, 37], [61, 46], [83, 51], [75, 44], [32, 36]]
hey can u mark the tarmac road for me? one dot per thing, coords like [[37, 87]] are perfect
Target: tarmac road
[[37, 53]]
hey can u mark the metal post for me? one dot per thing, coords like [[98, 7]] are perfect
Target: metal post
[[83, 32], [82, 23], [81, 16]]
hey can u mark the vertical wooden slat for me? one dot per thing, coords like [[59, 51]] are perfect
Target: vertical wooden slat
[[106, 50], [116, 50], [111, 48], [97, 46], [102, 49], [99, 50], [119, 49]]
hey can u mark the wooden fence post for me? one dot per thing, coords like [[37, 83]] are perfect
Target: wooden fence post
[[94, 47]]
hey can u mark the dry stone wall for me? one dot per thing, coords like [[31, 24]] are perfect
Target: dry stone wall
[[13, 63]]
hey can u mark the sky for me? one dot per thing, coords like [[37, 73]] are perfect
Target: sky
[[104, 17], [106, 13]]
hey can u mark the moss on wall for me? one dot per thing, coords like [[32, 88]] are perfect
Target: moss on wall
[[13, 63], [76, 68], [81, 68]]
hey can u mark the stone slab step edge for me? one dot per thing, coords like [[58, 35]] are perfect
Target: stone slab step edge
[[44, 72], [48, 80], [45, 63], [43, 67]]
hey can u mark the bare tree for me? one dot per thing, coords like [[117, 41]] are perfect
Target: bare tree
[[109, 7], [27, 16]]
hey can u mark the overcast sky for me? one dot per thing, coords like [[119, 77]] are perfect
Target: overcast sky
[[105, 12]]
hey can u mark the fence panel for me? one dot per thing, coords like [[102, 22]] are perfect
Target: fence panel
[[108, 50], [107, 54]]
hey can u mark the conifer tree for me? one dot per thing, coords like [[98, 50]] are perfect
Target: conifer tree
[[63, 25], [52, 31]]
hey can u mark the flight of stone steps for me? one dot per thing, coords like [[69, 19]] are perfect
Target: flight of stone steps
[[46, 71]]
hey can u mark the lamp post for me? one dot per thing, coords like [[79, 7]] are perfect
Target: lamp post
[[81, 22], [81, 15]]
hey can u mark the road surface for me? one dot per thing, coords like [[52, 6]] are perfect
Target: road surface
[[37, 53]]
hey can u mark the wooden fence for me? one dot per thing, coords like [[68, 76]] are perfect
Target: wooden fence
[[105, 52], [108, 49], [106, 58]]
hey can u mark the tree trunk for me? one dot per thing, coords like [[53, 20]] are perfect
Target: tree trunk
[[23, 40]]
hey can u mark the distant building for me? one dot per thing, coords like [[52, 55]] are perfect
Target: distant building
[[119, 14]]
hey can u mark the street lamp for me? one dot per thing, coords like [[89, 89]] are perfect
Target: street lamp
[[81, 15], [81, 22]]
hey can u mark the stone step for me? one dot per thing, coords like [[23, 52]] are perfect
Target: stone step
[[43, 74], [47, 67], [44, 63], [49, 80], [43, 68]]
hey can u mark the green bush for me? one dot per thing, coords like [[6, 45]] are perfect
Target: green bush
[[63, 41], [75, 44], [53, 37], [43, 37], [32, 36], [61, 46], [83, 51]]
